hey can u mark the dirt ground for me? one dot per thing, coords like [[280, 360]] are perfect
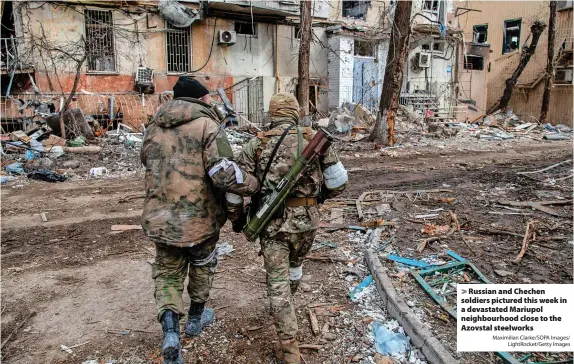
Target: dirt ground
[[71, 281]]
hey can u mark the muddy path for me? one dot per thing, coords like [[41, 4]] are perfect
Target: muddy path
[[90, 289]]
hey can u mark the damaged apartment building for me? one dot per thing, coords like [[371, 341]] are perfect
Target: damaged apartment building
[[495, 33], [123, 57]]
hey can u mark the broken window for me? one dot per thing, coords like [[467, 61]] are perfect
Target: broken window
[[297, 32], [355, 9], [246, 28], [475, 63], [511, 36], [178, 49], [431, 5], [425, 46], [100, 41], [364, 48], [438, 47], [480, 33]]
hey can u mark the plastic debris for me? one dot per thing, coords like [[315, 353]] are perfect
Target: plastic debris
[[30, 155], [66, 349], [98, 172], [224, 249], [46, 175], [6, 179], [15, 168], [355, 294], [56, 151], [77, 142], [388, 342]]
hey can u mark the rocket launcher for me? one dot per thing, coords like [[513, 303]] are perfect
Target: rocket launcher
[[317, 147]]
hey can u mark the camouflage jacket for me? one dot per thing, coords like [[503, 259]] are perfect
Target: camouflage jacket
[[254, 159], [188, 168]]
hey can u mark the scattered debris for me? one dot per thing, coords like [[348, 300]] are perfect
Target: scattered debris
[[98, 172], [355, 294], [66, 349], [125, 227], [528, 236], [224, 248], [314, 322], [47, 176], [388, 342]]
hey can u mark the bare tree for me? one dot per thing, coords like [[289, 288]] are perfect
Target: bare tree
[[64, 59], [393, 81], [304, 51], [536, 30], [549, 64]]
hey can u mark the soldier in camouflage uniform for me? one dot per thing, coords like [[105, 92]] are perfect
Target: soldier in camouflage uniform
[[189, 166], [288, 237]]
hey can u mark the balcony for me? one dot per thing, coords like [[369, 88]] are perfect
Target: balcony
[[265, 8]]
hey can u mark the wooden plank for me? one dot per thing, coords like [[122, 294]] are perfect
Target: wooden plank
[[126, 227]]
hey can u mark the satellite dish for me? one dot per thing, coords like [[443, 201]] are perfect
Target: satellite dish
[[177, 14]]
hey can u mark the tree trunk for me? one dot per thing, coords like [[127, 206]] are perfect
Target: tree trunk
[[304, 50], [549, 64], [72, 93], [537, 28], [393, 81]]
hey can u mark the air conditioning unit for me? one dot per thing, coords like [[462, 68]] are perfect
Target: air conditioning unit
[[563, 75], [144, 76], [424, 60], [228, 37]]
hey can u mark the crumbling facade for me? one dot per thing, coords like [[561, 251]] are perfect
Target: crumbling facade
[[121, 57], [504, 27]]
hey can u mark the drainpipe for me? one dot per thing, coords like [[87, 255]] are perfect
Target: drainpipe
[[275, 61]]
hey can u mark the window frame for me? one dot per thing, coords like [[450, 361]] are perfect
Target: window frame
[[471, 56], [504, 50], [374, 47], [115, 71], [367, 4], [176, 30], [474, 33], [255, 28], [437, 2], [297, 32]]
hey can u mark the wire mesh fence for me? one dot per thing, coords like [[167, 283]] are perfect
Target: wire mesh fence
[[131, 109]]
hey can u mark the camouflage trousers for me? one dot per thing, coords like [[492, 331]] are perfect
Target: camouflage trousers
[[281, 252], [173, 264]]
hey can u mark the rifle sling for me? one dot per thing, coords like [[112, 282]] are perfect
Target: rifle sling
[[274, 153]]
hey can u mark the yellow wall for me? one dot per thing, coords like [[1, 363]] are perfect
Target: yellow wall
[[494, 13]]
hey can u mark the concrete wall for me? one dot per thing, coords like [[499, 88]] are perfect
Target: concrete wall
[[141, 40], [472, 83], [340, 70], [436, 79]]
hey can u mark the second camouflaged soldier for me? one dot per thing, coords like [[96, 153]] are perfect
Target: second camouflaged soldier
[[189, 166], [289, 236]]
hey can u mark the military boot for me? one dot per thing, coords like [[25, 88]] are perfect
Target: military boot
[[171, 347], [198, 318], [288, 351], [294, 285]]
